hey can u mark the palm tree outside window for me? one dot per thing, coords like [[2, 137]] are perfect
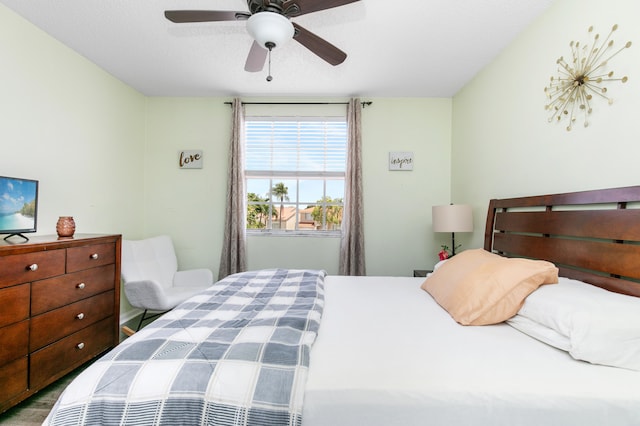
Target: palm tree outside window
[[280, 192]]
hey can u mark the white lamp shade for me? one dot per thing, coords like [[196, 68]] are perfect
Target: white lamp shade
[[271, 27], [452, 218]]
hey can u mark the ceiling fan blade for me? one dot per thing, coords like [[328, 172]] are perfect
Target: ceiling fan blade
[[183, 16], [302, 7], [319, 46], [256, 58]]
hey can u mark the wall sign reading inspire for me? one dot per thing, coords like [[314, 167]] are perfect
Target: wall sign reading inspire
[[191, 159], [401, 161]]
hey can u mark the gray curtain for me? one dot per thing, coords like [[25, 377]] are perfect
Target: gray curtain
[[233, 258], [352, 243]]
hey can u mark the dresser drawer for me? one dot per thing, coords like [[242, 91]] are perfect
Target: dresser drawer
[[55, 360], [59, 291], [23, 268], [13, 380], [14, 341], [53, 325], [14, 304], [79, 258]]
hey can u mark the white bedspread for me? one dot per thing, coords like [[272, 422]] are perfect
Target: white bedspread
[[387, 354]]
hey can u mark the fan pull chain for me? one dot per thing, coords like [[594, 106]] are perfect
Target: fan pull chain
[[269, 45]]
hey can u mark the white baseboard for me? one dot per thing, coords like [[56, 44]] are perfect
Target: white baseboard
[[129, 315]]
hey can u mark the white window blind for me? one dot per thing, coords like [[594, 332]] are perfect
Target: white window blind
[[287, 146]]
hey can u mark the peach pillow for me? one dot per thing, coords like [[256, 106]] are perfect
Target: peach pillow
[[479, 288]]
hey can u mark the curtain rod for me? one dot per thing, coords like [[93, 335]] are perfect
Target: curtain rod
[[364, 104]]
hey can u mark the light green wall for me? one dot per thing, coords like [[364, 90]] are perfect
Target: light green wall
[[502, 144], [73, 127], [398, 236], [189, 204]]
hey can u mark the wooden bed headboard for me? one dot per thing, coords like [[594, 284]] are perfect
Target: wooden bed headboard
[[592, 236]]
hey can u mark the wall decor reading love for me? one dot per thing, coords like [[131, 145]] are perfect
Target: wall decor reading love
[[401, 161], [190, 159]]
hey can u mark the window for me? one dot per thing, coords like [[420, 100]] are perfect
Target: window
[[295, 170]]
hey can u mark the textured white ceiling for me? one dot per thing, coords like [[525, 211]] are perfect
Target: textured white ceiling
[[401, 48]]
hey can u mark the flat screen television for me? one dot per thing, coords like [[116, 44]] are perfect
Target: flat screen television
[[18, 206]]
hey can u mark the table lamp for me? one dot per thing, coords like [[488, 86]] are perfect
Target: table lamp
[[452, 218]]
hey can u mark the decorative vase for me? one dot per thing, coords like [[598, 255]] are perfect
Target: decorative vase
[[65, 227]]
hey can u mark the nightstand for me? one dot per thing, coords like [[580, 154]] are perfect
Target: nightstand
[[421, 272]]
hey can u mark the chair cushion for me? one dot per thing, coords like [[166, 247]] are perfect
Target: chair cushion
[[193, 278], [151, 259]]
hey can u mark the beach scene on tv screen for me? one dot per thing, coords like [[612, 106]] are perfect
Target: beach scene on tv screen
[[17, 204]]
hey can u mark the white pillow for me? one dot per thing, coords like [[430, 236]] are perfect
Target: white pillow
[[540, 332], [602, 327]]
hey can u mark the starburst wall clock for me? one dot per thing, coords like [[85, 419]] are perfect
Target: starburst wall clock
[[582, 78]]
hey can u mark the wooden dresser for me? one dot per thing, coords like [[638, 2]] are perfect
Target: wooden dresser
[[59, 308]]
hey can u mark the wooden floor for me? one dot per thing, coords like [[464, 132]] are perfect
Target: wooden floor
[[35, 409]]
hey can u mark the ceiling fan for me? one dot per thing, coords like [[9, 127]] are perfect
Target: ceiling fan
[[268, 22]]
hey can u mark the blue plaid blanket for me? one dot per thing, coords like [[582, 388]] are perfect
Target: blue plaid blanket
[[236, 354]]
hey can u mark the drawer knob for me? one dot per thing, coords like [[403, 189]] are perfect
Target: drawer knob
[[94, 256], [80, 316], [80, 345], [80, 286], [33, 267]]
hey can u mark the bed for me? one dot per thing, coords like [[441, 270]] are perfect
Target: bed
[[383, 351]]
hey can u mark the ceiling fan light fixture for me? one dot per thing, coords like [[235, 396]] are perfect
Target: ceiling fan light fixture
[[270, 27]]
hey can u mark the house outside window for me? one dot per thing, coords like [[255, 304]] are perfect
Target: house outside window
[[295, 171]]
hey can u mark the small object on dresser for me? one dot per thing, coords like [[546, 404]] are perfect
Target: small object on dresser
[[66, 227], [421, 272]]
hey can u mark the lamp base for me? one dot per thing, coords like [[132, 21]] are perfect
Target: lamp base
[[453, 244]]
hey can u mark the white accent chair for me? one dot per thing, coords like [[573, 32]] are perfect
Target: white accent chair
[[151, 278]]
